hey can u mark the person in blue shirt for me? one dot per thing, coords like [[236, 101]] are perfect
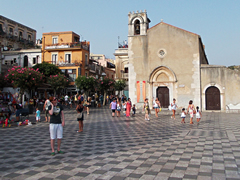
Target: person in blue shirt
[[37, 115]]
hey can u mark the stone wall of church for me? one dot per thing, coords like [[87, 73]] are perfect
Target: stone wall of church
[[226, 80], [181, 56], [138, 65]]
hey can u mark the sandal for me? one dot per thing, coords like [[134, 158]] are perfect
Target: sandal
[[53, 154], [60, 152]]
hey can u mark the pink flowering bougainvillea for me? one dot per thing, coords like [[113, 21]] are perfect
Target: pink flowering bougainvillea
[[26, 78]]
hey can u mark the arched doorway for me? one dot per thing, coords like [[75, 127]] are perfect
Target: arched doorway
[[25, 63], [163, 96], [213, 98]]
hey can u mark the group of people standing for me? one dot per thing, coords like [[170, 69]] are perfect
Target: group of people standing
[[191, 110], [118, 104]]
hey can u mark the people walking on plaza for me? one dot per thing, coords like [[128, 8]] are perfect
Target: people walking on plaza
[[198, 114], [118, 107], [37, 101], [146, 109], [183, 115], [88, 104], [191, 110], [156, 106], [134, 110], [174, 107], [45, 107], [124, 106], [101, 99], [107, 99], [110, 98], [66, 100], [128, 107], [70, 102], [113, 107], [80, 115], [57, 122], [122, 99], [37, 115]]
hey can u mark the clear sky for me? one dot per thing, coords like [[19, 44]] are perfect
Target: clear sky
[[102, 21]]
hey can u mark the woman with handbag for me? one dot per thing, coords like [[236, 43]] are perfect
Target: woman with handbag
[[80, 117], [191, 110]]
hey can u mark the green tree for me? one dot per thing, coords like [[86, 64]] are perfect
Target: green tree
[[47, 69], [120, 85], [26, 79], [87, 84], [57, 82], [104, 85]]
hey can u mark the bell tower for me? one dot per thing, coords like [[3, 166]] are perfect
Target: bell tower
[[138, 23]]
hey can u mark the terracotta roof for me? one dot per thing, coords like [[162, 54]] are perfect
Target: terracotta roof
[[173, 27], [64, 32]]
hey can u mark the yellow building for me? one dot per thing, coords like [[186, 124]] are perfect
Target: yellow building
[[66, 51]]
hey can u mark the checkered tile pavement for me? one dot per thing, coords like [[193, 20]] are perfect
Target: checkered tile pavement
[[125, 148]]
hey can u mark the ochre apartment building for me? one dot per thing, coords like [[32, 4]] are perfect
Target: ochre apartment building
[[65, 50]]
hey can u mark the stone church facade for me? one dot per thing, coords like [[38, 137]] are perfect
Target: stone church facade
[[168, 62]]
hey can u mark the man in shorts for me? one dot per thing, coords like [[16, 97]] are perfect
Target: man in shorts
[[57, 122]]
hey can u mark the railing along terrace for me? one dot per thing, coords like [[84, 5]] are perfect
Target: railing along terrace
[[67, 45]]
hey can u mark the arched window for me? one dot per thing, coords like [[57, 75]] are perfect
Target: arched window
[[29, 38], [20, 35], [25, 63], [137, 27]]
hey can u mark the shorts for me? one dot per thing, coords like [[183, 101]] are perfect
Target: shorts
[[37, 118], [119, 110], [18, 112], [47, 113], [56, 131], [113, 110]]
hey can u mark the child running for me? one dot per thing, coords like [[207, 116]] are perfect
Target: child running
[[37, 115], [198, 114], [183, 115]]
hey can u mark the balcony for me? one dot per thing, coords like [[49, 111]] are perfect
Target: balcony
[[92, 68], [77, 45]]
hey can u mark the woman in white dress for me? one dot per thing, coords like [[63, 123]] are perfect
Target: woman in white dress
[[191, 110]]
